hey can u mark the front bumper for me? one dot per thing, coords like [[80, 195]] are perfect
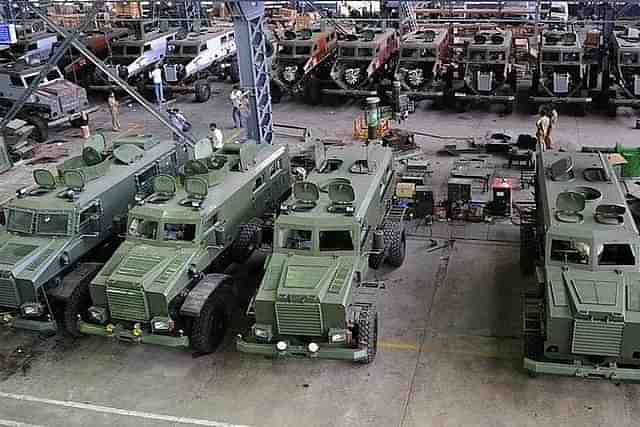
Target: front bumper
[[127, 335], [350, 92], [41, 326], [325, 351], [628, 102], [490, 98], [73, 116], [577, 369], [561, 100]]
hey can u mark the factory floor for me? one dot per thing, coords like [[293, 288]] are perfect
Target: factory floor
[[449, 350]]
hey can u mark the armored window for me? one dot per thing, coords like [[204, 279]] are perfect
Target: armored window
[[348, 51], [365, 51], [117, 50], [33, 46], [496, 56], [276, 167], [330, 165], [616, 254], [478, 55], [203, 47], [257, 186], [180, 232], [336, 240], [170, 38], [53, 75], [427, 53], [56, 224], [295, 239], [20, 221], [286, 50], [550, 56], [143, 228], [29, 79], [303, 50], [88, 214], [190, 50], [629, 58], [571, 57], [223, 39], [147, 47], [16, 81], [409, 53], [145, 178], [571, 252]]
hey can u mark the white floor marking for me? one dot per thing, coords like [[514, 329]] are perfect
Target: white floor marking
[[114, 411], [9, 423]]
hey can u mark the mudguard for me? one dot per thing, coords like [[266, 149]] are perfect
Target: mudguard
[[83, 273], [195, 300]]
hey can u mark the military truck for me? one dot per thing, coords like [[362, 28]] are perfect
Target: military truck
[[420, 68], [489, 75], [55, 230], [132, 58], [364, 59], [193, 58], [32, 47], [561, 75], [55, 102], [625, 71], [303, 59], [315, 300], [155, 289], [583, 316]]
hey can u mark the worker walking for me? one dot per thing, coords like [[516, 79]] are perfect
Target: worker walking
[[547, 120], [179, 121], [114, 109], [156, 76], [215, 135], [236, 102]]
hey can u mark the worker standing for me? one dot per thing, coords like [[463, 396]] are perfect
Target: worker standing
[[244, 110], [84, 125], [114, 107], [156, 76], [215, 135], [236, 102], [547, 120]]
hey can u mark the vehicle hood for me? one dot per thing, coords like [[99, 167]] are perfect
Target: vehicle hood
[[300, 277], [154, 268], [60, 89], [27, 257]]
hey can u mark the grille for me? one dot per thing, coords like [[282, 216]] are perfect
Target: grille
[[171, 73], [636, 85], [8, 291], [138, 266], [484, 81], [561, 82], [597, 338], [299, 319], [127, 304]]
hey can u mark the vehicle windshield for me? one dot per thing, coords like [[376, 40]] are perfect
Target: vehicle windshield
[[117, 50], [190, 50], [134, 50], [348, 51], [30, 78], [477, 55], [336, 240], [571, 57], [629, 58], [550, 56], [303, 50], [409, 52], [570, 251], [286, 50], [365, 51], [143, 228], [52, 224], [616, 254], [180, 232], [54, 75], [20, 221], [291, 238]]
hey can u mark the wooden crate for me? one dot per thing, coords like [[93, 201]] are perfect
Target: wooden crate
[[131, 9]]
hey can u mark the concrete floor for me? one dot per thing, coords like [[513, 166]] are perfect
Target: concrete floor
[[450, 353]]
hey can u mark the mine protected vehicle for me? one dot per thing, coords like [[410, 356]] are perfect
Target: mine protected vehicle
[[303, 60], [56, 100], [364, 60], [420, 68], [582, 318], [489, 75], [625, 71], [195, 57], [315, 299], [156, 288], [54, 231]]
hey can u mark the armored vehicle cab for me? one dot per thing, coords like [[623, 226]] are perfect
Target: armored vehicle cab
[[303, 57], [583, 319], [56, 101], [154, 289], [134, 56], [561, 73], [488, 72], [190, 60], [32, 47], [363, 60], [47, 247], [420, 67], [314, 299], [625, 70]]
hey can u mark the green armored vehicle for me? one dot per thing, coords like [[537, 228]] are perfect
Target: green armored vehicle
[[154, 289], [583, 318], [52, 227], [314, 300]]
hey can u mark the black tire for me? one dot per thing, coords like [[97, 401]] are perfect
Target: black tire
[[249, 238], [41, 131], [508, 107], [313, 92], [368, 334], [395, 243], [76, 123], [460, 106], [78, 304], [210, 327], [375, 259], [276, 94], [234, 72], [203, 91]]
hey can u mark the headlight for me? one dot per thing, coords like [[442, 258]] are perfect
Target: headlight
[[281, 346], [284, 208], [123, 72], [98, 314], [352, 76], [289, 73], [64, 259], [263, 332], [415, 77], [313, 347], [32, 309], [337, 335], [349, 210], [161, 324]]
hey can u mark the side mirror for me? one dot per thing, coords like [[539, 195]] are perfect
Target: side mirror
[[3, 218]]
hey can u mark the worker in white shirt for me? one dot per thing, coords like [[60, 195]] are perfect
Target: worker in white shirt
[[156, 75], [236, 101], [547, 120], [215, 136]]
